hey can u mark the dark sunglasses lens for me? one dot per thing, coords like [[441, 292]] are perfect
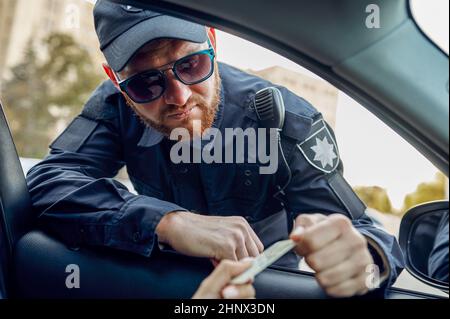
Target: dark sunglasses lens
[[146, 87], [194, 69]]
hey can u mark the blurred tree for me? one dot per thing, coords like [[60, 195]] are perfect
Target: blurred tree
[[45, 89], [26, 106], [69, 69], [375, 197], [425, 192]]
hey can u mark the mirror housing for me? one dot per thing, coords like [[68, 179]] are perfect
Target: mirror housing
[[424, 241]]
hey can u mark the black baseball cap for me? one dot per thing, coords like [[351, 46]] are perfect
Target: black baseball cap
[[122, 30]]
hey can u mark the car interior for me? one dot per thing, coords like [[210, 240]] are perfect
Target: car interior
[[33, 263]]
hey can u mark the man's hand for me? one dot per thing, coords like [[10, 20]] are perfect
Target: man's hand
[[209, 236], [336, 251], [216, 285]]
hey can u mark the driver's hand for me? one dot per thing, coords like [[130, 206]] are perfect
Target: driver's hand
[[336, 251], [209, 236], [216, 285]]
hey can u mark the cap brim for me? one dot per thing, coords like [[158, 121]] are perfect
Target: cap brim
[[119, 52]]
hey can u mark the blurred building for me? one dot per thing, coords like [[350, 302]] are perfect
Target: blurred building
[[7, 9], [319, 93], [23, 20]]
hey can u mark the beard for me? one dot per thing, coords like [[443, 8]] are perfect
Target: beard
[[208, 109]]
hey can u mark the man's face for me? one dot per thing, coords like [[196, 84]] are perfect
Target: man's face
[[180, 104]]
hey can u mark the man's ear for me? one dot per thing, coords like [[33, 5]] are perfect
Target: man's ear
[[110, 73], [212, 38]]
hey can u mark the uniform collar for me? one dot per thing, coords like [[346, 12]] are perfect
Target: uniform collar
[[152, 137]]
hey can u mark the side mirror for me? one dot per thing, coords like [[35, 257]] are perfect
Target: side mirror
[[424, 239]]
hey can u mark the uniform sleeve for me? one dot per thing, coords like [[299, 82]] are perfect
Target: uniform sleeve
[[78, 200], [317, 186], [438, 260]]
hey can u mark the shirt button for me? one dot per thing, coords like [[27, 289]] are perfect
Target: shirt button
[[248, 172], [184, 170], [248, 182], [136, 237]]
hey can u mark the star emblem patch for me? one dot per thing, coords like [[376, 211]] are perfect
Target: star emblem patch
[[320, 148]]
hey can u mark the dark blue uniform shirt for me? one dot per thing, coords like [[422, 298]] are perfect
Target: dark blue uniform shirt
[[77, 198]]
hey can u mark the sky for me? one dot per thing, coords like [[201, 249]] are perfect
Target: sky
[[373, 154]]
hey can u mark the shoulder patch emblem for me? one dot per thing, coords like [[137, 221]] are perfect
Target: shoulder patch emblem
[[320, 148]]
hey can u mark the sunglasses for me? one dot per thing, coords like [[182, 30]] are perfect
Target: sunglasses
[[150, 85]]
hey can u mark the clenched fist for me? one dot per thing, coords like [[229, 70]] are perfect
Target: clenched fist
[[336, 251], [209, 236]]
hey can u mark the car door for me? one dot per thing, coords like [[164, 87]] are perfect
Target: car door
[[46, 277]]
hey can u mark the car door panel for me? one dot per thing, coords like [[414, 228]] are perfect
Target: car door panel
[[40, 263]]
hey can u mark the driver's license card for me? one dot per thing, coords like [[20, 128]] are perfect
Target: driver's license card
[[267, 258]]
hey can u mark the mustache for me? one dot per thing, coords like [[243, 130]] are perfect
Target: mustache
[[194, 100]]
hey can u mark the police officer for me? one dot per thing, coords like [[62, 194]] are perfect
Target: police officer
[[164, 75]]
